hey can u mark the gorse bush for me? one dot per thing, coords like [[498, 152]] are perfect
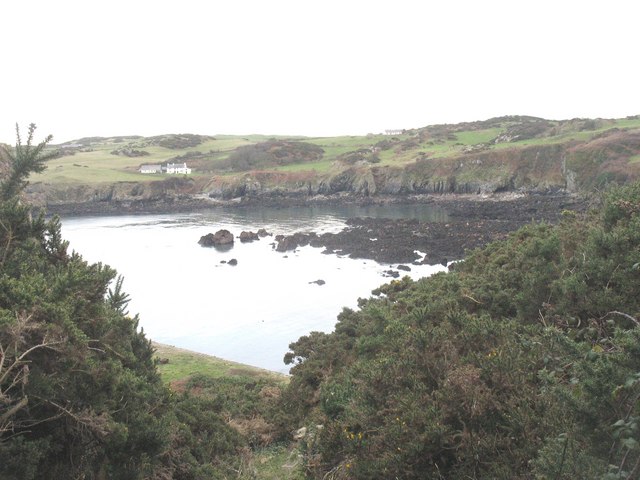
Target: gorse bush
[[523, 362], [271, 154], [80, 396]]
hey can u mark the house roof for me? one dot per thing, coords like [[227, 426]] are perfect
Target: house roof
[[151, 167], [176, 165]]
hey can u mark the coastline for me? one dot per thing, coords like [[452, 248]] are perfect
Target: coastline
[[473, 220]]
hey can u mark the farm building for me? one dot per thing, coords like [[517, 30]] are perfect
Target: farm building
[[151, 169], [172, 168], [178, 168]]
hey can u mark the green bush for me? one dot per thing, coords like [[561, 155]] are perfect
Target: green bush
[[523, 362], [80, 396]]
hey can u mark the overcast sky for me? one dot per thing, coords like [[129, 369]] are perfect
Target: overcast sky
[[306, 67]]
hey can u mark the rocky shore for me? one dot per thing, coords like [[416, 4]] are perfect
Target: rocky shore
[[473, 221]]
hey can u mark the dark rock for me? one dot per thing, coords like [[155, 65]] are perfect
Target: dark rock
[[263, 233], [467, 224], [406, 268], [221, 238], [233, 262], [163, 361], [291, 242], [391, 273], [248, 236], [318, 282]]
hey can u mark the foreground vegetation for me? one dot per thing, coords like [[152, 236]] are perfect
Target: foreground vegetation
[[80, 392], [521, 363], [524, 362]]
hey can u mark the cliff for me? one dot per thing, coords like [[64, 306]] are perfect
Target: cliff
[[506, 154]]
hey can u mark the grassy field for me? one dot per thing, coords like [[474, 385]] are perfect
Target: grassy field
[[185, 363], [323, 166], [95, 162]]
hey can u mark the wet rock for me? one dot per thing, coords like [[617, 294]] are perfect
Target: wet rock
[[248, 236], [291, 242], [318, 282], [222, 238], [233, 262], [391, 273], [472, 222], [263, 233], [406, 268]]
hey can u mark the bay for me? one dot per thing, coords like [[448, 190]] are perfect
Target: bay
[[186, 296]]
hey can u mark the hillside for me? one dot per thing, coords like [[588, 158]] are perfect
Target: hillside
[[513, 153]]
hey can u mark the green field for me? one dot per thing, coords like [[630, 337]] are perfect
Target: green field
[[94, 162], [182, 364]]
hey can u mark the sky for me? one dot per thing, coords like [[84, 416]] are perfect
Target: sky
[[307, 67]]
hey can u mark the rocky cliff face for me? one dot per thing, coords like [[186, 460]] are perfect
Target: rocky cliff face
[[157, 196], [556, 168], [534, 170], [563, 167]]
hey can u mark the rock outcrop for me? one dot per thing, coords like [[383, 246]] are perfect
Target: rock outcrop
[[291, 242], [248, 236], [222, 238]]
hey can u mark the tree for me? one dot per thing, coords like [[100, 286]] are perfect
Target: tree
[[80, 396], [24, 160]]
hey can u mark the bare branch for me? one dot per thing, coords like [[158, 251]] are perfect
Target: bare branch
[[11, 412], [99, 424], [622, 314], [472, 299]]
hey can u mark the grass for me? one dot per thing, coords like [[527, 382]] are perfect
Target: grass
[[335, 146], [185, 363], [628, 123], [634, 159], [585, 135], [475, 137], [278, 462], [322, 166], [100, 166]]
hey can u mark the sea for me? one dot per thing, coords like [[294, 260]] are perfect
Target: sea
[[190, 296]]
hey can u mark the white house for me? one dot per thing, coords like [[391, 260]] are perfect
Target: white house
[[178, 168], [151, 169], [393, 132]]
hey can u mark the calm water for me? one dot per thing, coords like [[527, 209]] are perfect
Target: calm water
[[249, 312]]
